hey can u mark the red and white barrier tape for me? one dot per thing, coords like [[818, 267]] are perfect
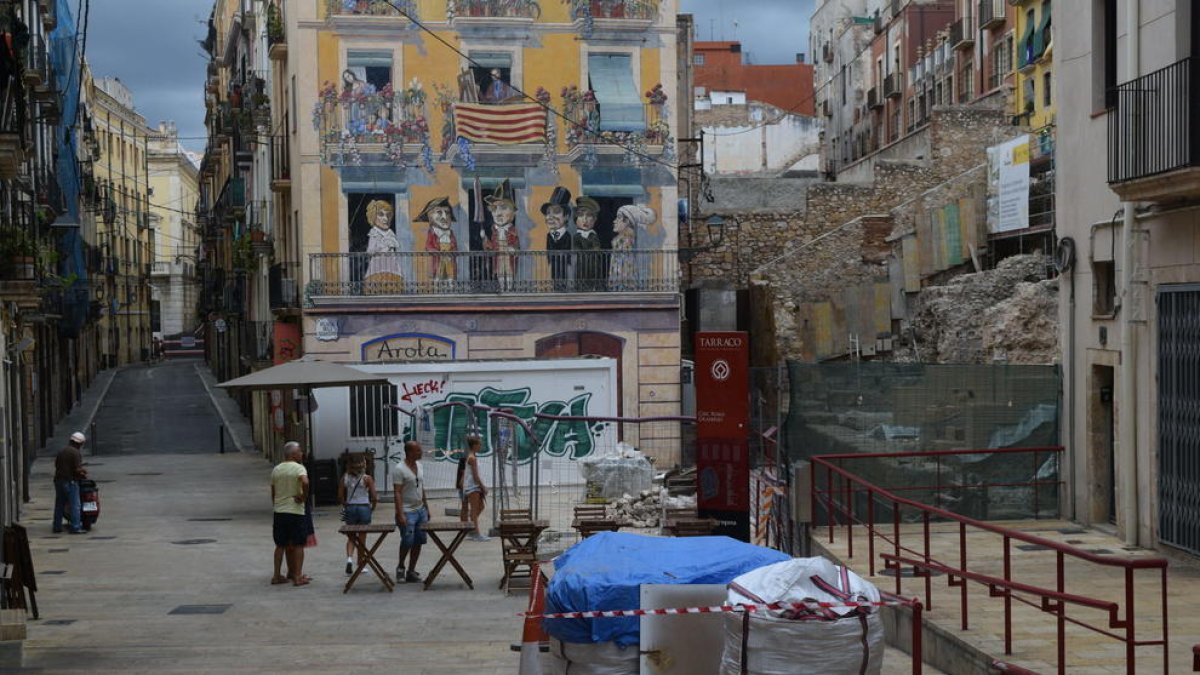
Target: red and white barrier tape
[[617, 613]]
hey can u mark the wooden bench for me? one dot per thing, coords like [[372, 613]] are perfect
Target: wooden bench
[[690, 527], [593, 518]]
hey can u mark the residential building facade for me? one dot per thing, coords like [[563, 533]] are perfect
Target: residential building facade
[[1129, 220], [124, 236], [721, 72], [410, 172], [174, 188]]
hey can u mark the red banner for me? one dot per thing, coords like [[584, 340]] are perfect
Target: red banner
[[286, 342], [502, 124], [722, 424]]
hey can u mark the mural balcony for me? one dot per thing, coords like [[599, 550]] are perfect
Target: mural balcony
[[419, 278], [648, 130], [357, 15], [492, 13], [614, 15], [1154, 135], [366, 126]]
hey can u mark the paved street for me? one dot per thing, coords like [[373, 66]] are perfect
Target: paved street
[[183, 525]]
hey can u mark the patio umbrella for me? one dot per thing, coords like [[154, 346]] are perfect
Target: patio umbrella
[[304, 374]]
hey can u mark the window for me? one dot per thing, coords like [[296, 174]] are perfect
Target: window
[[1104, 290], [1104, 53], [487, 66], [698, 59], [368, 417], [1047, 89], [618, 97]]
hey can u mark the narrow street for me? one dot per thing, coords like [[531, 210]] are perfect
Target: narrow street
[[182, 526]]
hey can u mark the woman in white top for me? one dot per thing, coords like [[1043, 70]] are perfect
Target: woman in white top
[[472, 488], [356, 494]]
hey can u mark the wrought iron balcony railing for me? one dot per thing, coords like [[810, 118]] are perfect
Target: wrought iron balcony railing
[[364, 120], [487, 272], [893, 85], [588, 126], [495, 9], [991, 13], [370, 8], [1154, 124], [643, 10]]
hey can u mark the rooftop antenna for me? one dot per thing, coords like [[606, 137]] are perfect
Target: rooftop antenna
[[712, 30]]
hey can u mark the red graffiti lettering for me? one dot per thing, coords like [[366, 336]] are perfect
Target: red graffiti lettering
[[422, 389]]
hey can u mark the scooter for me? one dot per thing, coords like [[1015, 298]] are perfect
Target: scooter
[[89, 502]]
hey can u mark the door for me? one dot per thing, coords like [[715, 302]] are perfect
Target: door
[[1179, 416]]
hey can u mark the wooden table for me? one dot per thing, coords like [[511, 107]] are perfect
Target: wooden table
[[366, 556], [589, 526], [690, 527], [460, 530], [518, 542]]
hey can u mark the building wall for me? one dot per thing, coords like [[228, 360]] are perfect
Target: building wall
[[720, 66], [1031, 97], [755, 138], [173, 182], [1165, 252]]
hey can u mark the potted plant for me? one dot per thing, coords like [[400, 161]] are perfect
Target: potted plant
[[18, 252]]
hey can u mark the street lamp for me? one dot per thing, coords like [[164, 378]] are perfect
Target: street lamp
[[716, 226]]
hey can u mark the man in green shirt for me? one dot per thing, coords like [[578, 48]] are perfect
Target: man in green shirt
[[289, 490]]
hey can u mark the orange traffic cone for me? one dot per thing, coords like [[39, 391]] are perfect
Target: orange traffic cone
[[533, 636]]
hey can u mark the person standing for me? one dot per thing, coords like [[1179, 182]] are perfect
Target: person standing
[[356, 494], [412, 511], [289, 492], [557, 212], [68, 471], [473, 491]]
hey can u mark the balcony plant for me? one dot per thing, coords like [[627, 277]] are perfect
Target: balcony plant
[[18, 252], [275, 33]]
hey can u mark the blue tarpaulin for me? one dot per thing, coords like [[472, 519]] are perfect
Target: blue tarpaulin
[[605, 571]]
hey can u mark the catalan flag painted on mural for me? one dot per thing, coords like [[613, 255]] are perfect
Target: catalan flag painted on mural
[[502, 124]]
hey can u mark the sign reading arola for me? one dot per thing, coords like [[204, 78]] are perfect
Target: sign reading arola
[[408, 347]]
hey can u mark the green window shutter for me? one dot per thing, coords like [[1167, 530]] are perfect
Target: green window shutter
[[611, 78]]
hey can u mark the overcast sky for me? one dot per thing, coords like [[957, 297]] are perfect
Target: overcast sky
[[772, 31], [151, 45]]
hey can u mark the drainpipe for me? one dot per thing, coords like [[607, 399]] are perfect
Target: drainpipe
[[1127, 413]]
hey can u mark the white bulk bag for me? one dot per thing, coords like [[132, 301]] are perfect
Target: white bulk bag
[[597, 658], [788, 641]]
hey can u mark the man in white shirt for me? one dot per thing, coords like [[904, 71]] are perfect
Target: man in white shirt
[[412, 511]]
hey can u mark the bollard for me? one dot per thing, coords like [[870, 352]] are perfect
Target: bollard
[[221, 437], [92, 435]]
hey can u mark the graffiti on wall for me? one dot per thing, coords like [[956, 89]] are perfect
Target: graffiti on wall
[[573, 439]]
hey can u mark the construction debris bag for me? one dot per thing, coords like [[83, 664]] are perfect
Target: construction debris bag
[[792, 641], [623, 472], [597, 658]]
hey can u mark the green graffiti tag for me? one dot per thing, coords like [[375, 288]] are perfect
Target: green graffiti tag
[[572, 439]]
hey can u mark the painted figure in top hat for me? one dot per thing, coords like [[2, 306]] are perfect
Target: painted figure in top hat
[[440, 241], [590, 266], [558, 241], [503, 241]]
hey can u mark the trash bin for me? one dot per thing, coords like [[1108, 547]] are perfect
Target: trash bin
[[323, 476]]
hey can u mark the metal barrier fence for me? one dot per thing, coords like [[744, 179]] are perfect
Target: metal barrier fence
[[850, 501]]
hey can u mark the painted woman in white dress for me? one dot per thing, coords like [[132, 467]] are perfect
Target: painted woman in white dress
[[623, 272], [383, 266]]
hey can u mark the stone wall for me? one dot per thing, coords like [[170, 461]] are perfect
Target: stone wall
[[822, 272]]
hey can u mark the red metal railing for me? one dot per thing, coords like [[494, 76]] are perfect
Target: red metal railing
[[843, 488]]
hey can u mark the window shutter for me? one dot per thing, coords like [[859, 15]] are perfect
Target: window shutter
[[616, 92]]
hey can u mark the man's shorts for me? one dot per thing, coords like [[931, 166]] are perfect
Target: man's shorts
[[358, 514], [289, 529], [412, 534]]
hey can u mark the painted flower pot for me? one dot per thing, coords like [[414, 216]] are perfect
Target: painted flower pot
[[608, 9]]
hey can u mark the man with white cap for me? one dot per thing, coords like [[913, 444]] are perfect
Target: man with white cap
[[68, 471]]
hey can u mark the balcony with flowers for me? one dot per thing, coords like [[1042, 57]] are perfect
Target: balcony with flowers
[[361, 125], [492, 13], [594, 126], [358, 14], [613, 15]]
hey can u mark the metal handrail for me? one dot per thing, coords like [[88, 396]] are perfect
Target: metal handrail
[[1052, 600]]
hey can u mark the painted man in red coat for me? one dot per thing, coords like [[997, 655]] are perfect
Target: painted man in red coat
[[440, 241], [504, 241]]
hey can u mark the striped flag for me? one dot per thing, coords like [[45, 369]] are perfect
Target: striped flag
[[501, 124]]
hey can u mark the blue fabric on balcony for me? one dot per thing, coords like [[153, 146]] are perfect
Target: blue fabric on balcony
[[611, 78]]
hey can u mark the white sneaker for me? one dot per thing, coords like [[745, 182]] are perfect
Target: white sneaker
[[478, 537]]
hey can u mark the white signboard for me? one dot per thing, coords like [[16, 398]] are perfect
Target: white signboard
[[1008, 185], [564, 387]]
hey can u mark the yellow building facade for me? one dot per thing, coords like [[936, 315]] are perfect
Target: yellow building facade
[[1033, 97], [123, 233], [505, 117]]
